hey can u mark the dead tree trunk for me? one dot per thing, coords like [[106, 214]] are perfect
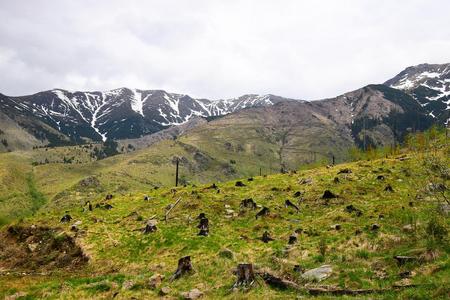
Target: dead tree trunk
[[184, 266], [245, 275], [204, 227]]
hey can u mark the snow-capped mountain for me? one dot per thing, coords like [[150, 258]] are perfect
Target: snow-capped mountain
[[117, 114], [430, 85]]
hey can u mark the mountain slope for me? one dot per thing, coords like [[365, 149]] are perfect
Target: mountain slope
[[429, 84], [117, 114], [358, 234]]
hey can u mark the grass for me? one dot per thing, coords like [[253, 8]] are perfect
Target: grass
[[360, 256]]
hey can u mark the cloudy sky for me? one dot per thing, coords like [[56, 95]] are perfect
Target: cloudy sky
[[217, 49]]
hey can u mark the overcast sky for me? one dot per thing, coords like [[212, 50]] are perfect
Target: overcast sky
[[217, 49]]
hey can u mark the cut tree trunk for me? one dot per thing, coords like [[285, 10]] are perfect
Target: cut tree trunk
[[245, 275], [184, 267]]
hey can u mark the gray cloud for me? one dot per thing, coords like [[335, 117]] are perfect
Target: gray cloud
[[217, 49]]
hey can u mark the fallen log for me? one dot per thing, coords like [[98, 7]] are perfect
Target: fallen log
[[171, 208]]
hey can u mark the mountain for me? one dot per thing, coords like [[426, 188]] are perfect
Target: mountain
[[429, 84], [61, 117]]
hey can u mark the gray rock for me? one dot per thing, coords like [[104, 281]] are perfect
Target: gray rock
[[192, 294], [165, 291], [155, 281], [318, 274], [128, 285]]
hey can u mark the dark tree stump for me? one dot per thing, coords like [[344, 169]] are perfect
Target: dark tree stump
[[108, 197], [336, 180], [266, 237], [292, 239], [107, 206], [374, 227], [248, 203], [297, 194], [288, 203], [350, 208], [204, 227], [328, 195], [401, 259], [184, 267], [263, 212], [66, 218], [245, 275], [239, 184], [345, 171], [389, 188], [149, 227], [380, 177]]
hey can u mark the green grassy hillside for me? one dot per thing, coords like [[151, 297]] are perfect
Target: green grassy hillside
[[386, 207]]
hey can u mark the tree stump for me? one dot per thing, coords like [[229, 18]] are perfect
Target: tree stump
[[66, 218], [288, 203], [328, 195], [292, 239], [204, 227], [262, 212], [184, 267], [266, 237], [248, 203], [389, 188], [245, 275], [149, 227], [239, 184]]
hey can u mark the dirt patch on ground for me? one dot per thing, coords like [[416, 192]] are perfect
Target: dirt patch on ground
[[39, 248]]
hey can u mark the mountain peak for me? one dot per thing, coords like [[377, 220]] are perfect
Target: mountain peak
[[429, 84]]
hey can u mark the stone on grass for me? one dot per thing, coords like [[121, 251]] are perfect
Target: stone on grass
[[128, 284], [165, 291], [155, 281], [318, 274], [192, 294]]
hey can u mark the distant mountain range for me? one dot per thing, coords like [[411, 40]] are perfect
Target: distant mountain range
[[418, 96]]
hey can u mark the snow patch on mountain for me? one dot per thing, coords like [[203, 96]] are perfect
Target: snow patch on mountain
[[136, 102]]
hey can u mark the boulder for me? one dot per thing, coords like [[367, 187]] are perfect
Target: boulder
[[318, 274], [192, 294], [155, 281]]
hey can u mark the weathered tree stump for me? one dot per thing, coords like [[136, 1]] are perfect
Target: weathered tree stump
[[328, 195], [297, 194], [292, 239], [184, 267], [66, 218], [266, 237], [239, 184], [107, 206], [204, 227], [149, 227], [401, 259], [350, 208], [263, 212], [108, 197], [288, 203], [345, 171], [245, 276], [389, 188], [248, 203]]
